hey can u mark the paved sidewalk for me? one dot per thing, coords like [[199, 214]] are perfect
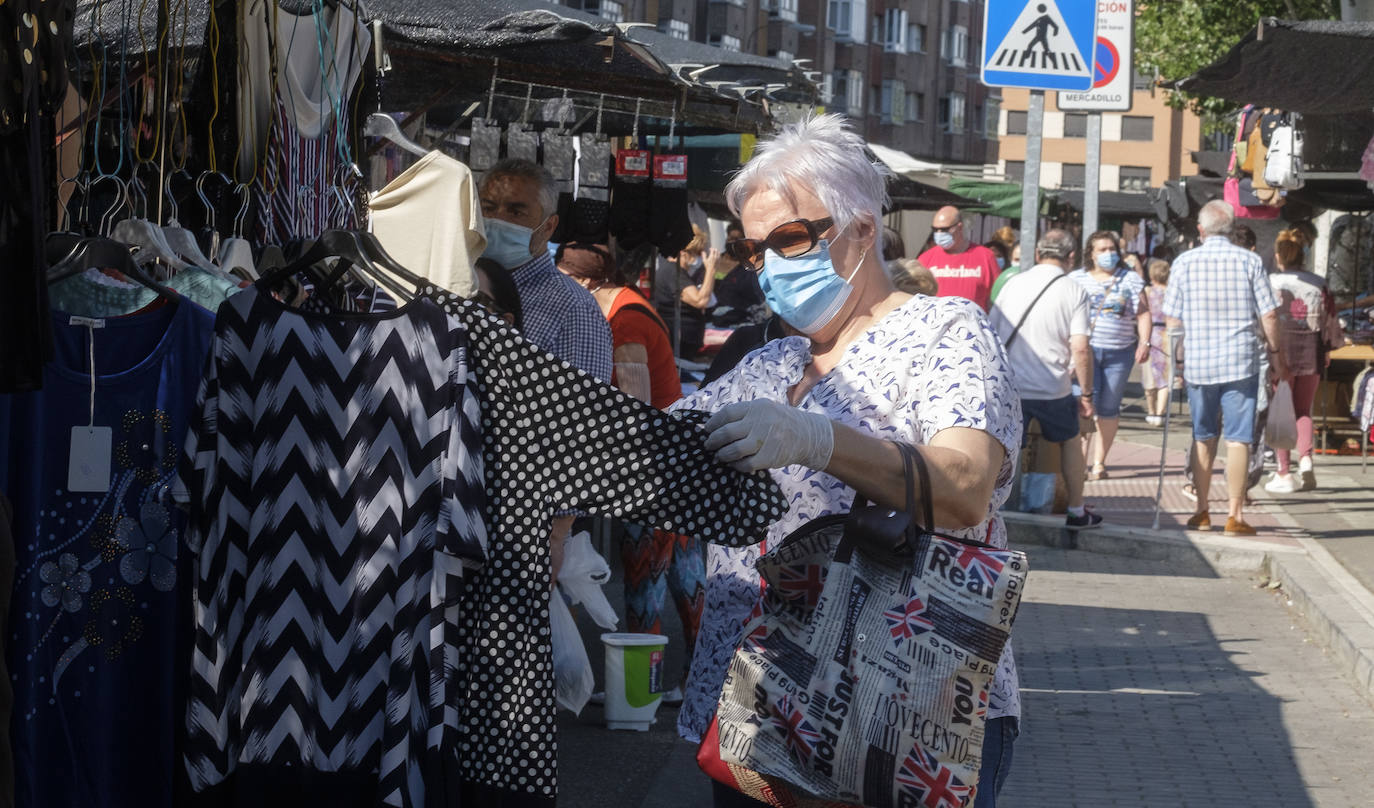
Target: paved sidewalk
[[1145, 688]]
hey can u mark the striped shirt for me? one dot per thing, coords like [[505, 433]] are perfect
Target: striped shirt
[[1219, 291]]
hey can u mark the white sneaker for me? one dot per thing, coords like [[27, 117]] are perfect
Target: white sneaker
[[1281, 484], [1309, 478]]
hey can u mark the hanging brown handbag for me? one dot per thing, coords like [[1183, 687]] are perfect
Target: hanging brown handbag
[[874, 637]]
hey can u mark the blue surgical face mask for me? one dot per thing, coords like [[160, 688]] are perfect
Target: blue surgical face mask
[[943, 240], [508, 244], [1106, 260], [805, 291], [1001, 262]]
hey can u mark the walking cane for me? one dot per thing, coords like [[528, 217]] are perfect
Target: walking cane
[[1174, 338]]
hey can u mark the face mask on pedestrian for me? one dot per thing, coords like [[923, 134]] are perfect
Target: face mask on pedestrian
[[805, 291], [1001, 262], [944, 240], [509, 244], [1106, 260]]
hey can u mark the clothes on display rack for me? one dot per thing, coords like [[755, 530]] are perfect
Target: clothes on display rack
[[94, 645], [95, 294], [307, 186], [335, 481], [35, 38], [553, 438], [441, 244]]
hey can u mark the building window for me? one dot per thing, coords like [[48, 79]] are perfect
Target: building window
[[609, 10], [848, 89], [952, 118], [991, 113], [1016, 170], [894, 102], [979, 117], [783, 9], [875, 99], [1073, 176], [679, 29], [1135, 178], [915, 38], [956, 46], [727, 42], [895, 30], [828, 89], [1016, 122], [915, 104], [1075, 124], [875, 31], [1137, 127], [839, 17]]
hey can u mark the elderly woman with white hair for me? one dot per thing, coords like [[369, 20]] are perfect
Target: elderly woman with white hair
[[824, 412]]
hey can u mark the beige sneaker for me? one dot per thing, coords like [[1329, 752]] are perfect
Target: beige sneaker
[[1309, 477]]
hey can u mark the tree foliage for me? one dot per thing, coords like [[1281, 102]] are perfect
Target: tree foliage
[[1176, 38]]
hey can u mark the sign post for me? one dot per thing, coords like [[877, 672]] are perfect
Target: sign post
[[1038, 45], [1113, 85]]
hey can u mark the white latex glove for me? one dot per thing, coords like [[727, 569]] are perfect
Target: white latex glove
[[762, 434]]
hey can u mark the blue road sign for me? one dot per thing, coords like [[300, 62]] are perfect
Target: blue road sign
[[1039, 44]]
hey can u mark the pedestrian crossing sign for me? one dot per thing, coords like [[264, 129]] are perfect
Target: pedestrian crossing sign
[[1039, 44]]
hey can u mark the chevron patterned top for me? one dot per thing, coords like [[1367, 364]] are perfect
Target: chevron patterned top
[[334, 477], [553, 437]]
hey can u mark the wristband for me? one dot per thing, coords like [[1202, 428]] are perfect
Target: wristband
[[1089, 396]]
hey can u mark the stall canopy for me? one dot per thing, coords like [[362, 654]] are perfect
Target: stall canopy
[[1312, 67], [1118, 204], [908, 193], [444, 54], [999, 198]]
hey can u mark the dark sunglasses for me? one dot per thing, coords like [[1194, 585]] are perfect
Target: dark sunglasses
[[790, 240], [946, 229]]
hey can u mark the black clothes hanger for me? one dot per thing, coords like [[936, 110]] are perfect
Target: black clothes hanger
[[353, 249], [99, 253]]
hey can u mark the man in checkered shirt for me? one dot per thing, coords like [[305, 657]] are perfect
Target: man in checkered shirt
[[519, 205], [1218, 293]]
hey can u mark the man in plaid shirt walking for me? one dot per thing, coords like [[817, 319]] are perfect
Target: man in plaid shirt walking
[[1218, 292]]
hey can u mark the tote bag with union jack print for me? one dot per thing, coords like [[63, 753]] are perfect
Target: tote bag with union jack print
[[862, 676]]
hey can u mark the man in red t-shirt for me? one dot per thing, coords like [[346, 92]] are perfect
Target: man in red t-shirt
[[960, 268]]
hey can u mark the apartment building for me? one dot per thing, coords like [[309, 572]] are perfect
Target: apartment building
[[1141, 149], [906, 71]]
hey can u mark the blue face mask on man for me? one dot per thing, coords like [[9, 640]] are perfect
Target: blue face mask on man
[[805, 291], [508, 244]]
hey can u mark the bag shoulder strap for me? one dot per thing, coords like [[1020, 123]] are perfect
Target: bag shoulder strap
[[1017, 330]]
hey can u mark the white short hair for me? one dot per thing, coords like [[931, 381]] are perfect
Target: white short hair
[[1217, 218], [826, 156]]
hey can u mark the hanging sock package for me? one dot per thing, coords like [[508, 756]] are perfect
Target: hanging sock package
[[485, 149], [522, 142], [670, 227], [631, 199]]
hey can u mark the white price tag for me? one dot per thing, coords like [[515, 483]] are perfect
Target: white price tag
[[88, 468]]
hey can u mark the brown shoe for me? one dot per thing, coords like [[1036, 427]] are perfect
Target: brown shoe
[[1200, 521], [1237, 527]]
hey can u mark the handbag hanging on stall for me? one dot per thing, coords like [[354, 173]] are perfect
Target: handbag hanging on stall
[[862, 676]]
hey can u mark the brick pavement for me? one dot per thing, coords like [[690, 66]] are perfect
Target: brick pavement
[[1145, 688]]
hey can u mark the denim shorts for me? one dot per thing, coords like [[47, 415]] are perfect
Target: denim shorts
[[1111, 369], [1231, 402], [1058, 418]]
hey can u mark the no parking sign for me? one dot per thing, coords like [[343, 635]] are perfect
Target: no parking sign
[[1113, 65]]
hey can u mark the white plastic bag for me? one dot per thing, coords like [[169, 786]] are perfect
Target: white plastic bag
[[572, 670], [1281, 427], [582, 575]]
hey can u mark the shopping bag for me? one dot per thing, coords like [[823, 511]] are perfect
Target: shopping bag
[[572, 670], [1281, 426], [582, 575], [862, 677]]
